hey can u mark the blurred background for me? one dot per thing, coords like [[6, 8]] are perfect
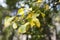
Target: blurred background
[[47, 13]]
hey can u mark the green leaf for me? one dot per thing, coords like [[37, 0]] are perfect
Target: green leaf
[[22, 28], [20, 11], [7, 21], [14, 25], [39, 0], [37, 23]]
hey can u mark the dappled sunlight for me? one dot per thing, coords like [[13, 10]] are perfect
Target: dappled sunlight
[[29, 19]]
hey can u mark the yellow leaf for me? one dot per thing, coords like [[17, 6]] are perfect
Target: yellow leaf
[[35, 15], [7, 21], [32, 23], [39, 0], [30, 15], [32, 19], [26, 23], [46, 7], [22, 28], [37, 23], [14, 25], [21, 11], [43, 15]]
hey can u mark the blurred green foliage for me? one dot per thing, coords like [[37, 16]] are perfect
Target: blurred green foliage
[[34, 23]]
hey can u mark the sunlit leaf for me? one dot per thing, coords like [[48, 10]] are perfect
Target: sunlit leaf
[[39, 0], [35, 15], [7, 21], [20, 11], [30, 15], [14, 25], [37, 23], [22, 5], [22, 28], [32, 23], [33, 20], [30, 9]]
